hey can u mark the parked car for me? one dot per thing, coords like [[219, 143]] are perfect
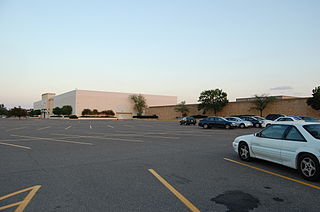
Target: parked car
[[188, 120], [288, 118], [293, 144], [265, 122], [274, 116], [252, 119], [239, 122], [309, 119], [216, 122]]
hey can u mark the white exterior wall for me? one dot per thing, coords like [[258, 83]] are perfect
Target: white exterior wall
[[68, 98], [118, 102], [100, 100], [38, 105]]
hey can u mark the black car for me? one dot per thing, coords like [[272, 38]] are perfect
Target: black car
[[213, 121], [188, 120], [274, 116], [253, 120]]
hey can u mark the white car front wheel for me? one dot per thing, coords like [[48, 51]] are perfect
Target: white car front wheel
[[244, 152]]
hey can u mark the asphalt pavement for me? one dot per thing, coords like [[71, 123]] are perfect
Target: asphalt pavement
[[82, 165]]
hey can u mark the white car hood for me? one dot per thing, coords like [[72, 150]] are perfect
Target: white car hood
[[244, 138]]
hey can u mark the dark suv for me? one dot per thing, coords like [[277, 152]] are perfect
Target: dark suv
[[188, 121], [213, 121], [274, 116]]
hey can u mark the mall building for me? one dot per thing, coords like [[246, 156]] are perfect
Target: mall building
[[79, 100]]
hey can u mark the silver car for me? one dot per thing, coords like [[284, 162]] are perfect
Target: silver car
[[239, 122]]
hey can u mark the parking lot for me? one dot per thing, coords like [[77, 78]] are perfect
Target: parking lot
[[77, 165]]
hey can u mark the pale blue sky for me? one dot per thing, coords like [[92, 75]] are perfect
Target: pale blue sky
[[168, 47]]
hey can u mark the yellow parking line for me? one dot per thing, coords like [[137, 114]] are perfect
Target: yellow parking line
[[97, 137], [14, 145], [175, 192], [275, 174], [22, 204], [52, 139], [10, 206], [43, 128]]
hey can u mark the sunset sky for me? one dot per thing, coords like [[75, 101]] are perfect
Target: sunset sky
[[167, 47]]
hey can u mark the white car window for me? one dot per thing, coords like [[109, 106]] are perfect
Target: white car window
[[274, 131], [294, 135], [313, 129]]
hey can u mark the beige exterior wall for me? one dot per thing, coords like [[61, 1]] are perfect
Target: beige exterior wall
[[46, 103], [294, 106]]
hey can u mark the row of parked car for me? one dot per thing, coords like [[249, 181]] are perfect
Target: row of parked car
[[244, 121]]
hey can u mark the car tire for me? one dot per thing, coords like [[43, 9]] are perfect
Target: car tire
[[242, 126], [227, 126], [268, 125], [257, 125], [205, 126], [244, 152], [308, 167]]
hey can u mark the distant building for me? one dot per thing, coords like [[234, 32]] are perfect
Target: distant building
[[79, 100], [253, 98]]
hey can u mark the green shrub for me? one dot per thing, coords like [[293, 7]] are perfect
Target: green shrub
[[73, 117]]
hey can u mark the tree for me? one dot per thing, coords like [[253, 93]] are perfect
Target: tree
[[57, 111], [314, 101], [95, 112], [66, 110], [86, 112], [182, 108], [34, 113], [261, 102], [212, 100], [3, 110], [18, 112], [139, 103]]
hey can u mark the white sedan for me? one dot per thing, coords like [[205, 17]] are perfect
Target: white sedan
[[293, 144]]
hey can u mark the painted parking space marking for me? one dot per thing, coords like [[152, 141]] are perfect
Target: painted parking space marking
[[129, 126], [67, 127], [43, 128], [14, 145], [18, 128], [110, 126], [18, 139], [272, 173], [90, 126], [135, 134], [184, 200], [52, 139], [150, 133], [98, 137], [22, 204]]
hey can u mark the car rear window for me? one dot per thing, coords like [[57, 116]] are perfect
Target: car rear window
[[313, 129]]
